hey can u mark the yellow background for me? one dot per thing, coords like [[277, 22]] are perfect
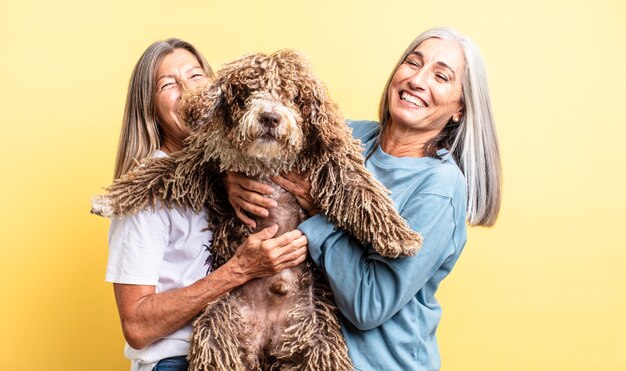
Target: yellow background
[[545, 289]]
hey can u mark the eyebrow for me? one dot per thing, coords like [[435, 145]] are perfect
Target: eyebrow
[[165, 76], [440, 63]]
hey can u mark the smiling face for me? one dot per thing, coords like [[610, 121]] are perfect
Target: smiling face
[[425, 91], [177, 72]]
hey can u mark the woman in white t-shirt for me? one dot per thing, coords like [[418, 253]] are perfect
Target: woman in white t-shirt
[[157, 259]]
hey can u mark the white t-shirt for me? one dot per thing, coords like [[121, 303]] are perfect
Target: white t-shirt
[[167, 249]]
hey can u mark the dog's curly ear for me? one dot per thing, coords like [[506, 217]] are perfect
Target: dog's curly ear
[[326, 125], [199, 106]]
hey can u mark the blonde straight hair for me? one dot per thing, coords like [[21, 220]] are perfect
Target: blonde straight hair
[[140, 135], [473, 140]]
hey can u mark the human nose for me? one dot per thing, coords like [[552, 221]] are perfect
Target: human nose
[[185, 85], [419, 80], [195, 83]]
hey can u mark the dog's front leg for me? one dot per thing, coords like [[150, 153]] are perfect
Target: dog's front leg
[[139, 189], [169, 181], [352, 199]]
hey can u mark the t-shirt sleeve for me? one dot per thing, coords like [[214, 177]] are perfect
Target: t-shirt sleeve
[[136, 248], [369, 289]]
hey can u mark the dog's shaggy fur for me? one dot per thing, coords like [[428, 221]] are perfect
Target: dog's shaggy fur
[[266, 115]]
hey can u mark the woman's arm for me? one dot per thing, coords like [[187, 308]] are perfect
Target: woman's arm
[[147, 316], [370, 289]]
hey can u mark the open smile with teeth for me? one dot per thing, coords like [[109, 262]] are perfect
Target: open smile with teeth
[[413, 99]]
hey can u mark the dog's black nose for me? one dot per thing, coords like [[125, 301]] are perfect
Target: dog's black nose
[[270, 119]]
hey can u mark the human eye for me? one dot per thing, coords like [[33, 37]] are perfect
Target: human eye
[[196, 73], [413, 61], [167, 84], [442, 77]]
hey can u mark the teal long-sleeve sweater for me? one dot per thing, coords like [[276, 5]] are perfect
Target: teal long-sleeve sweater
[[389, 314]]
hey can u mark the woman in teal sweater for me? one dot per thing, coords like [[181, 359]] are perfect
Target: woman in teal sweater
[[436, 150]]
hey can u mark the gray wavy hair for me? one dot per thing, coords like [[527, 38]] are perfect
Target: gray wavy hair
[[473, 140]]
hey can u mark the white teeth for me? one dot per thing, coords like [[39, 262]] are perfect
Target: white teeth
[[413, 99]]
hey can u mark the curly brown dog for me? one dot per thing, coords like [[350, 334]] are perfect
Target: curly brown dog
[[266, 115]]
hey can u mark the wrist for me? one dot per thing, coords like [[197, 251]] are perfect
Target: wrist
[[309, 208], [312, 211], [237, 273]]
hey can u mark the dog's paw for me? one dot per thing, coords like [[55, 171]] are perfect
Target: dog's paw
[[401, 248], [101, 205], [411, 247]]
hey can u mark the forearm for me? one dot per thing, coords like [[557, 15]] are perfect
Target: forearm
[[368, 288], [147, 316]]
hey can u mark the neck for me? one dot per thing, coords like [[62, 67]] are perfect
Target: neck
[[404, 142], [170, 146]]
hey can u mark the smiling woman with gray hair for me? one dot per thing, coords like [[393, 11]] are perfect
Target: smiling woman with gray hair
[[436, 150]]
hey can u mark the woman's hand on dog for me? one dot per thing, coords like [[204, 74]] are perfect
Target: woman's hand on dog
[[261, 255], [249, 195], [300, 188], [245, 194]]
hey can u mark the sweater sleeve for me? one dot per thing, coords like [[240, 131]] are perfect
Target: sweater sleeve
[[368, 288]]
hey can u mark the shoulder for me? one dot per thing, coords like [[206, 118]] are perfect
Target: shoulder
[[364, 129], [162, 219], [146, 222], [444, 179], [437, 204]]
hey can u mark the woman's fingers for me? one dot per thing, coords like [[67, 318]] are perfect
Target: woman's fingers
[[291, 254], [295, 258], [248, 184], [281, 241], [254, 199], [263, 235], [262, 254], [296, 178], [245, 194], [250, 207], [243, 217], [287, 184], [300, 187], [303, 252]]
